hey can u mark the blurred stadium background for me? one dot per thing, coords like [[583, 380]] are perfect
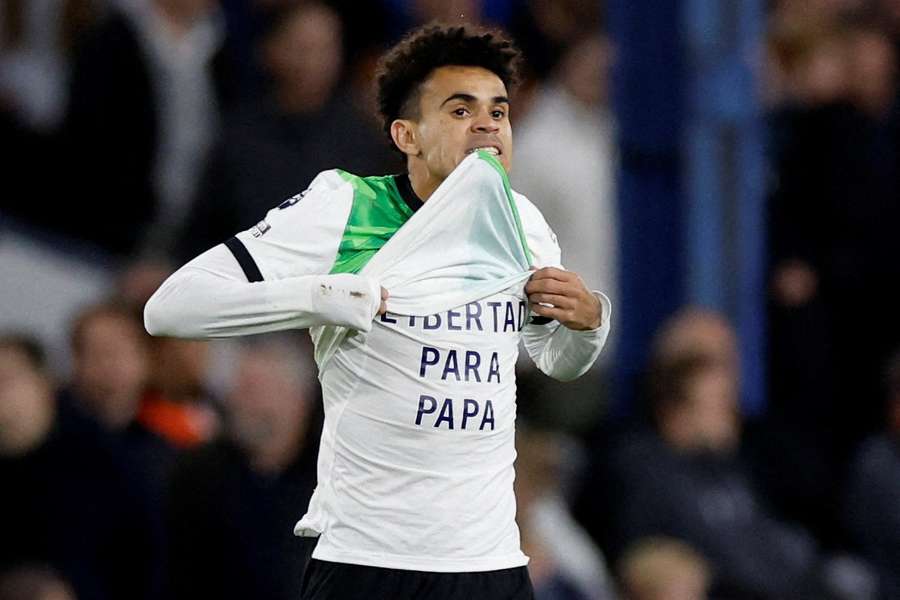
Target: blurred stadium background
[[727, 170]]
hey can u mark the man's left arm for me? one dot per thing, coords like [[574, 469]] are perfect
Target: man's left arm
[[570, 325]]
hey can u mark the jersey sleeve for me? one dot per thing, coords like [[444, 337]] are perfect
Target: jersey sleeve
[[271, 277], [557, 351], [300, 236], [539, 236]]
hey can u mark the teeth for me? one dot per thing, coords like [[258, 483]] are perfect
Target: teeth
[[489, 149]]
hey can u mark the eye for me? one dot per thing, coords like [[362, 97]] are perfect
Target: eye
[[461, 111], [498, 113]]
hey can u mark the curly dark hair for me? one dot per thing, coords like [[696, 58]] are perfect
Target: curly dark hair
[[408, 64]]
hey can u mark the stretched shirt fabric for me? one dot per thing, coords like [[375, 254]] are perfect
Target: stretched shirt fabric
[[415, 465], [465, 244]]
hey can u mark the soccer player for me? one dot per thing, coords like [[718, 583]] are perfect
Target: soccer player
[[415, 471]]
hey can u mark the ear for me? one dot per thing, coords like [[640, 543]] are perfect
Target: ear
[[405, 136]]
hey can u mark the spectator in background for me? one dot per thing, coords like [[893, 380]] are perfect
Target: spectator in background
[[34, 583], [110, 365], [177, 405], [685, 480], [873, 498], [138, 280], [546, 29], [565, 160], [233, 505], [691, 332], [699, 332], [145, 91], [36, 39], [663, 569], [275, 146], [67, 501], [565, 563], [110, 372], [833, 214]]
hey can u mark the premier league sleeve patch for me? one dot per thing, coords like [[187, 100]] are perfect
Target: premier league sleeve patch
[[260, 229], [293, 200]]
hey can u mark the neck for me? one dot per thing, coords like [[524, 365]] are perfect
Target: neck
[[423, 183]]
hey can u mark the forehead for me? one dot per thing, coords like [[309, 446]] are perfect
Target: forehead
[[476, 81]]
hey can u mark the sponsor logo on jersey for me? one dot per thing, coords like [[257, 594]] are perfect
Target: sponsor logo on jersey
[[259, 229], [293, 200]]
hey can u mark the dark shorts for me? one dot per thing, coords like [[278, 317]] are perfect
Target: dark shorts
[[325, 580]]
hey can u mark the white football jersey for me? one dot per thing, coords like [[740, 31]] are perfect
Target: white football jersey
[[416, 458]]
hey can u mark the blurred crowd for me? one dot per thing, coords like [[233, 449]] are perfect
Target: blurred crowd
[[138, 133]]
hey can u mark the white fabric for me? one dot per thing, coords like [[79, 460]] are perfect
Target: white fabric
[[210, 298], [416, 458], [565, 354], [462, 245]]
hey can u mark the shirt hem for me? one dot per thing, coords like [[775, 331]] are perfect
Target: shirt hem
[[422, 563]]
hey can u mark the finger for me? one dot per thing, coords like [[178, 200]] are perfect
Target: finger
[[558, 314], [382, 309], [553, 299], [552, 273], [547, 286], [384, 294], [573, 288]]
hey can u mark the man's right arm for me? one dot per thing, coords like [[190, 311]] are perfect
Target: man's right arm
[[210, 298], [271, 278]]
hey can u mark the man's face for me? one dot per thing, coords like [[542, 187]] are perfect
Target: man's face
[[461, 109]]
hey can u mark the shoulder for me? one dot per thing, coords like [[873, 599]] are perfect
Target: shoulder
[[312, 218], [373, 188], [541, 239], [529, 213], [331, 180], [340, 181], [326, 189], [338, 190]]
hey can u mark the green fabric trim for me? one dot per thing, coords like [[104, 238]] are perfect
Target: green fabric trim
[[377, 213], [491, 160]]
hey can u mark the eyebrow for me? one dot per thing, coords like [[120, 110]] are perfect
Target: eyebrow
[[470, 98]]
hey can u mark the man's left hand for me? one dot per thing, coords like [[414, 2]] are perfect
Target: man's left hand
[[572, 304]]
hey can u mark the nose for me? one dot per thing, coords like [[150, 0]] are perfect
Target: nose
[[483, 123]]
